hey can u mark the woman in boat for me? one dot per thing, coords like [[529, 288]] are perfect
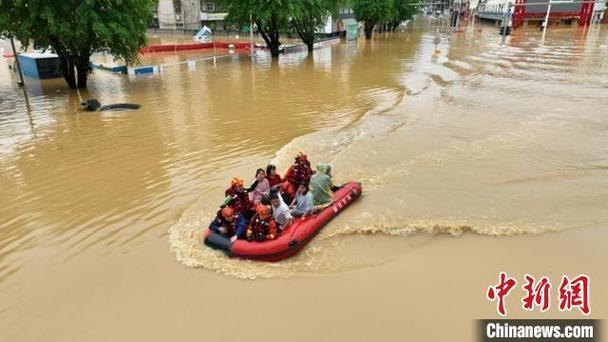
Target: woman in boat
[[303, 203], [262, 226], [229, 224], [261, 188], [321, 185], [274, 179], [299, 172], [237, 198]]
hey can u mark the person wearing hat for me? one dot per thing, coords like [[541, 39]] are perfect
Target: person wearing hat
[[299, 172], [237, 198], [229, 224], [262, 226]]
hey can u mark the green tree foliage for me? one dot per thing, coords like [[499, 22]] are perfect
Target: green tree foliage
[[389, 13], [401, 11], [77, 28], [372, 12], [270, 16], [310, 15]]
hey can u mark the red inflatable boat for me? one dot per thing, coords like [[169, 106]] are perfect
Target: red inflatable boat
[[293, 238]]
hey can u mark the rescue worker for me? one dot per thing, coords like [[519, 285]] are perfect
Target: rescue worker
[[262, 226], [229, 224], [237, 198], [299, 172]]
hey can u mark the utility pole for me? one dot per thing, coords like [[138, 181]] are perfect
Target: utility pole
[[546, 22], [251, 34], [17, 64], [505, 23]]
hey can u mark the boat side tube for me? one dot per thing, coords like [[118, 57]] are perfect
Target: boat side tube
[[219, 242]]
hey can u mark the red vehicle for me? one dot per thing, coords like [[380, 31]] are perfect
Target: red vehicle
[[293, 238]]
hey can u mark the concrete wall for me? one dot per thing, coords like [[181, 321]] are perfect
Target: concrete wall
[[166, 15], [191, 14]]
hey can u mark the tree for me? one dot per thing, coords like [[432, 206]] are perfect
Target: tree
[[75, 29], [270, 16], [372, 12], [310, 15], [401, 10]]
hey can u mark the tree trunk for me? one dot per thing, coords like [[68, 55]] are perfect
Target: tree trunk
[[67, 70], [274, 48], [310, 46], [271, 39], [369, 29], [82, 66]]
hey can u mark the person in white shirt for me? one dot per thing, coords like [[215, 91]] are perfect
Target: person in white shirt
[[280, 211]]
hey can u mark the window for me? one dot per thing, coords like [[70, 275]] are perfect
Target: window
[[210, 7]]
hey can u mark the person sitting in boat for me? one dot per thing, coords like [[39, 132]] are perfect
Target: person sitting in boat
[[302, 204], [237, 198], [280, 210], [299, 172], [321, 185], [262, 226], [261, 188], [274, 179], [229, 224]]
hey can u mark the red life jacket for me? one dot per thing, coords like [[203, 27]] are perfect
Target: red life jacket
[[230, 226], [261, 228], [300, 172], [240, 201]]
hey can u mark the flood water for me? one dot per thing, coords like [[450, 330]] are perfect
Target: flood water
[[481, 138]]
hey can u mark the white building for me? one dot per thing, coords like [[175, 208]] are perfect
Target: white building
[[599, 11], [189, 15]]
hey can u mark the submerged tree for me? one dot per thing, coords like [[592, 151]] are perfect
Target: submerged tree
[[270, 16], [401, 10], [372, 12], [308, 16], [76, 29]]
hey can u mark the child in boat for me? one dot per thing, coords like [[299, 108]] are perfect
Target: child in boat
[[262, 226], [274, 179], [303, 203], [229, 224], [299, 172], [261, 188], [280, 210], [237, 198]]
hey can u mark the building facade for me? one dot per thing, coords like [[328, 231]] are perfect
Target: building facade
[[522, 11], [212, 15], [190, 15]]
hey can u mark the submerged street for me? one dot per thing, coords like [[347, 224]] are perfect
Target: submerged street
[[470, 158]]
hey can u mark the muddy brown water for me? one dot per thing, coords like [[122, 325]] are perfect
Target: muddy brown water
[[470, 158]]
